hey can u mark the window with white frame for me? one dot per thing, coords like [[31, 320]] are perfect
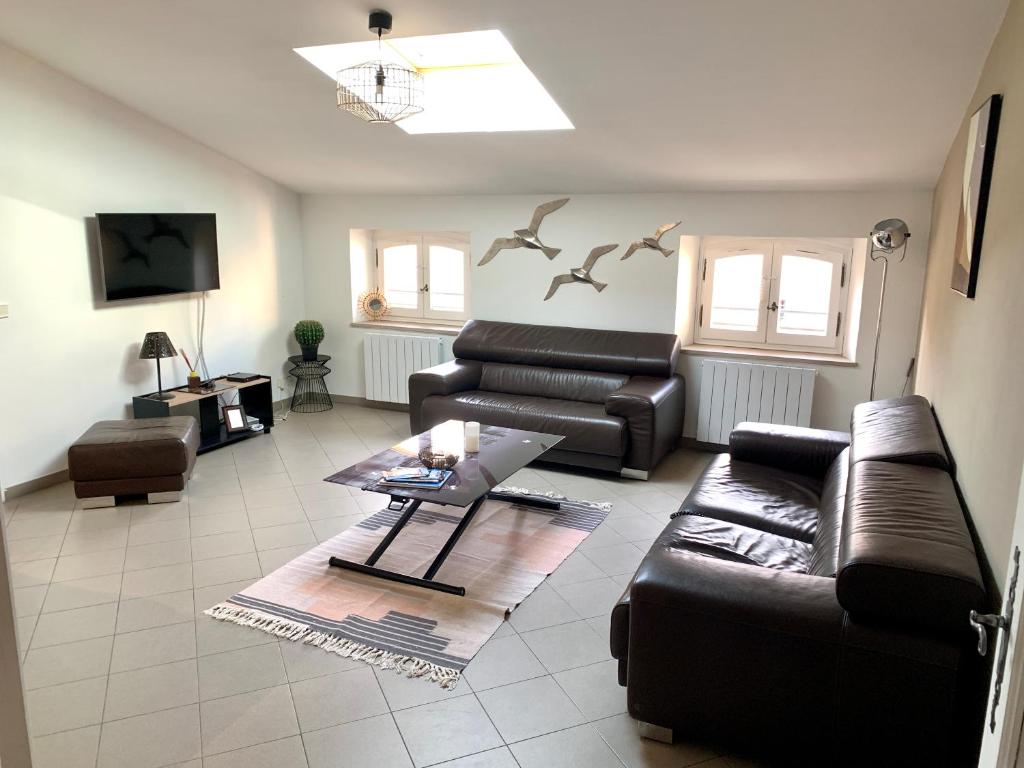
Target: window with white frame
[[424, 275], [784, 294]]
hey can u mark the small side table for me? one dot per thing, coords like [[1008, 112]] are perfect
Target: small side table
[[311, 395]]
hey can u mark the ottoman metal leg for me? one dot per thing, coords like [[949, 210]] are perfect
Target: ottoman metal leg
[[163, 497], [96, 502]]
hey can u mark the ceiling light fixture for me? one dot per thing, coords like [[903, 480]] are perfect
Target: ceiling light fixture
[[379, 91]]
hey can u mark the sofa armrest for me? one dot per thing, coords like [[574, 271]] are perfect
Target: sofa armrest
[[653, 409], [709, 638], [444, 379], [794, 449]]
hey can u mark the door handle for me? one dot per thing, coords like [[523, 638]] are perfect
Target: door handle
[[425, 288], [773, 307], [980, 623]]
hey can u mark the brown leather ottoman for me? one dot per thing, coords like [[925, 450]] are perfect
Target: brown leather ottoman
[[134, 457]]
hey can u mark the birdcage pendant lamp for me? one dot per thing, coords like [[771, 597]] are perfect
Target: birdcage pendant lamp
[[379, 91]]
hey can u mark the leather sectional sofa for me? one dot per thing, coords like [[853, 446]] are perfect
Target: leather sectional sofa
[[614, 395], [810, 600]]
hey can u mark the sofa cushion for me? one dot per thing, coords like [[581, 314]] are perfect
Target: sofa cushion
[[131, 448], [906, 554], [900, 429], [587, 349], [586, 427], [765, 498], [825, 548], [737, 543], [557, 383]]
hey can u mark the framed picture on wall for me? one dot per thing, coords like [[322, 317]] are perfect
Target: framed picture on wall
[[970, 227]]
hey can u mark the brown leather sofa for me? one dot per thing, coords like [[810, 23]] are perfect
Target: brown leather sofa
[[614, 395], [810, 600]]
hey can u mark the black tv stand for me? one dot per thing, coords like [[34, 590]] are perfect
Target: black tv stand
[[255, 396]]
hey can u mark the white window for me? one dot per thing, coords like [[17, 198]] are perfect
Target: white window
[[773, 294], [424, 274]]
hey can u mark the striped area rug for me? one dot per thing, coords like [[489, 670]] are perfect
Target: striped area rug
[[503, 555]]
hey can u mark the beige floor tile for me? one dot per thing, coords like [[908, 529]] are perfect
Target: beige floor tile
[[65, 595], [566, 646], [155, 611], [279, 536], [142, 556], [492, 758], [153, 533], [247, 719], [66, 706], [322, 702], [152, 740], [31, 524], [212, 505], [579, 746], [528, 709], [222, 522], [95, 540], [595, 689], [222, 570], [85, 520], [37, 548], [403, 692], [76, 624], [265, 517], [87, 565], [240, 671], [591, 598], [620, 733], [445, 730], [32, 573], [68, 749], [372, 742], [149, 647], [66, 663], [152, 689], [272, 559], [544, 608], [222, 545], [283, 753], [501, 661], [156, 581], [303, 662]]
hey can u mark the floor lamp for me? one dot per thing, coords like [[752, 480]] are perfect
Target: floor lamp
[[887, 237]]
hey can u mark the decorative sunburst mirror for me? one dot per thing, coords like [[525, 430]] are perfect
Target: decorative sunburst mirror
[[373, 304]]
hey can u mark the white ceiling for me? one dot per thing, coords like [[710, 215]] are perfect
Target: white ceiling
[[665, 95]]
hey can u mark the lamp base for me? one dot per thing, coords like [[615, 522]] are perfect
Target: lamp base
[[161, 396]]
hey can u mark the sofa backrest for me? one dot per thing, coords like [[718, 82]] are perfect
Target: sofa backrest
[[587, 349], [825, 547], [905, 553], [558, 383], [901, 429]]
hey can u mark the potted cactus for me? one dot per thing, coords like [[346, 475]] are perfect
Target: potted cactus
[[309, 334]]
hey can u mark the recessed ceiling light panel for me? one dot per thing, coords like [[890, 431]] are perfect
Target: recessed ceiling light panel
[[472, 82]]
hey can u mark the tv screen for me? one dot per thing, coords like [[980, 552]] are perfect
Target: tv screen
[[153, 254]]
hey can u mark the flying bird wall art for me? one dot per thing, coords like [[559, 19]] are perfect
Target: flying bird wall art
[[652, 243], [582, 274], [529, 237]]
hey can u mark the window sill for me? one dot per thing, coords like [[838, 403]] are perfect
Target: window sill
[[768, 354], [408, 325]]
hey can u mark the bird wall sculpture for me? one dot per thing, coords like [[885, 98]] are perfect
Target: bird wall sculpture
[[653, 243], [582, 274], [529, 237]]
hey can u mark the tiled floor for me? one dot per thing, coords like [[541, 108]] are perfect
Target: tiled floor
[[122, 669]]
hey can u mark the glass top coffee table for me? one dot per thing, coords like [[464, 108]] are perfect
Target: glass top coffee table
[[503, 452]]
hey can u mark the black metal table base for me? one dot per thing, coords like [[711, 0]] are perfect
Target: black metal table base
[[427, 581], [311, 394]]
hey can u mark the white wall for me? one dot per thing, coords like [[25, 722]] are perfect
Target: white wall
[[642, 291], [67, 359], [972, 350]]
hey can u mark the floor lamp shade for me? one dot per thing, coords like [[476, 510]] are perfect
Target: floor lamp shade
[[155, 346]]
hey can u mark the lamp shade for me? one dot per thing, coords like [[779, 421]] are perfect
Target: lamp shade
[[156, 345]]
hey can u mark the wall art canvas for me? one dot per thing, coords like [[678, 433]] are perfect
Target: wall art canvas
[[970, 228]]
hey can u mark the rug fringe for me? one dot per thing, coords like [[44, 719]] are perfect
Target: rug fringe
[[410, 666]]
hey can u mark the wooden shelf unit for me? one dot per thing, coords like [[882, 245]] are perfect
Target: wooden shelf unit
[[255, 396]]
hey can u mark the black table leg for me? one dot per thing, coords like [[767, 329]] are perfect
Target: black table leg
[[427, 581]]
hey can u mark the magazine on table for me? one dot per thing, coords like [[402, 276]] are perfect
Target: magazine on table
[[415, 477]]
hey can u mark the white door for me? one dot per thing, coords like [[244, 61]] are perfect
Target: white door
[[1003, 746], [14, 745]]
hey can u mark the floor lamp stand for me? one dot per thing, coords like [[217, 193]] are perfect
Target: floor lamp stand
[[878, 324]]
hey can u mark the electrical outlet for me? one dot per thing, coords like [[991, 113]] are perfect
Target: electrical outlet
[[5, 310]]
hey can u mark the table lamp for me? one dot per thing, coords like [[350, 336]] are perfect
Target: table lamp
[[154, 346]]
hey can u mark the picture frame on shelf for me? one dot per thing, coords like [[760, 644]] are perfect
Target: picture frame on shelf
[[234, 419]]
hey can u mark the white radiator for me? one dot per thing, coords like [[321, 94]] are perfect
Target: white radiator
[[391, 358], [733, 392]]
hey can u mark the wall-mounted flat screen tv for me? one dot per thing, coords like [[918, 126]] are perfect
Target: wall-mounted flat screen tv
[[154, 254]]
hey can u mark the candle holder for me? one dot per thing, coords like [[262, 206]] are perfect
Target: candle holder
[[438, 460]]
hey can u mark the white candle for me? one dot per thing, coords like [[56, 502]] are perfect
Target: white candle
[[472, 436]]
